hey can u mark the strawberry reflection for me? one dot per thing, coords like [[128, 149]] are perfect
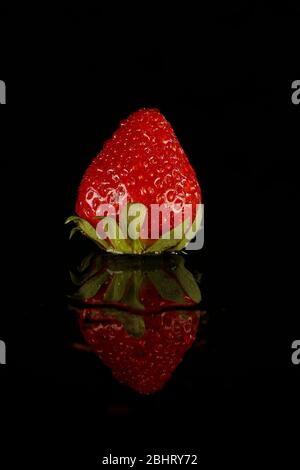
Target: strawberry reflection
[[145, 283], [131, 315]]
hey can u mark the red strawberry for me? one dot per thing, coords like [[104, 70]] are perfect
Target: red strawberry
[[142, 351], [142, 163]]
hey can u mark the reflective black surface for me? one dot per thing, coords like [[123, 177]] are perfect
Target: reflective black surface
[[142, 363], [135, 313], [224, 84]]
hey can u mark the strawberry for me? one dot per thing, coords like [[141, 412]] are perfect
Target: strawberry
[[142, 351], [143, 163]]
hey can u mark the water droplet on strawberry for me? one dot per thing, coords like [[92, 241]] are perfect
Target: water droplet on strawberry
[[157, 182], [170, 195]]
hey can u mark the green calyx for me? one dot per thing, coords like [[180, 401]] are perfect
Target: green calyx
[[125, 237], [133, 324]]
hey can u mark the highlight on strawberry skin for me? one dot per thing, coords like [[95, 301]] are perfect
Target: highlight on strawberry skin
[[140, 194]]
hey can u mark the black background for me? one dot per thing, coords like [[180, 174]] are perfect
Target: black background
[[223, 79]]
